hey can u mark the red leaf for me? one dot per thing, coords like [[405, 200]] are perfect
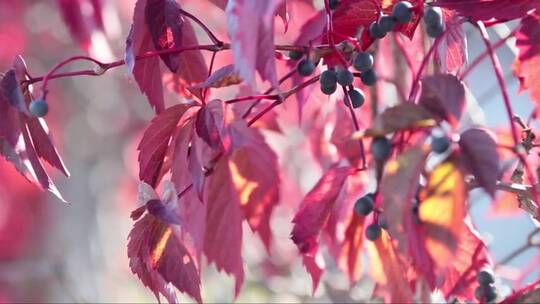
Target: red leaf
[[316, 207], [147, 73], [28, 153], [490, 9], [180, 149], [441, 215], [223, 236], [526, 65], [452, 52], [210, 125], [352, 247], [390, 270], [471, 256], [444, 96], [9, 124], [255, 174], [19, 146], [315, 267], [164, 23], [153, 145], [43, 144], [251, 28], [223, 77], [159, 259], [398, 187], [192, 66], [480, 156]]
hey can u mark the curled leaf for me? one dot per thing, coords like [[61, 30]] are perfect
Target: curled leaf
[[480, 156]]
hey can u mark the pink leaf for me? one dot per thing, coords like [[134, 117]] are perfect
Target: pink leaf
[[251, 28], [147, 73], [254, 168], [490, 9], [153, 145], [480, 156], [444, 96], [526, 65], [223, 236], [315, 209], [159, 259], [164, 22]]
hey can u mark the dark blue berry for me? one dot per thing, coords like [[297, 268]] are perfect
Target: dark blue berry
[[375, 31], [364, 205], [345, 77], [486, 293], [329, 90], [485, 277], [363, 62], [295, 55], [402, 12], [434, 31], [333, 4], [381, 148], [357, 98], [440, 144], [368, 77], [306, 67], [39, 107], [387, 23], [433, 16], [373, 232], [328, 78]]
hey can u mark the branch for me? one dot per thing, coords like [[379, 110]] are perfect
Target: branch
[[525, 194]]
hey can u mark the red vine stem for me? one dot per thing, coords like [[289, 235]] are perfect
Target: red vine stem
[[356, 126], [63, 63], [211, 35], [500, 79], [507, 104], [256, 102], [330, 33]]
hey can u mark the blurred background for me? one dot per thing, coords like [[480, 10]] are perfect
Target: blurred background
[[52, 252]]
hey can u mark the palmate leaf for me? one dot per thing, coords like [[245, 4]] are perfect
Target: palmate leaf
[[251, 28]]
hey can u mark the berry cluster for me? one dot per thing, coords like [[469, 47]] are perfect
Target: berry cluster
[[486, 291], [402, 13], [363, 207]]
